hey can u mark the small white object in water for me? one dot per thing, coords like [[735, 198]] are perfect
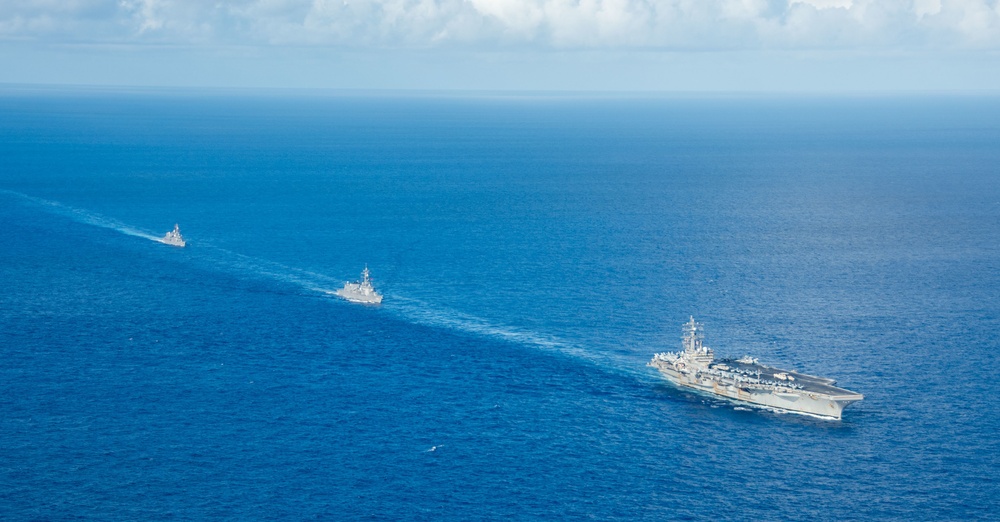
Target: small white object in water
[[361, 291], [174, 237]]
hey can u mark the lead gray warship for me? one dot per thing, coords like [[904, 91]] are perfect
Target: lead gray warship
[[361, 291], [748, 381], [173, 237]]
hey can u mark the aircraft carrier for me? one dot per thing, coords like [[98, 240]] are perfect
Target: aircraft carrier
[[746, 380]]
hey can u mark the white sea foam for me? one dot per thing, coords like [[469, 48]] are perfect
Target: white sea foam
[[419, 312], [248, 265], [82, 216]]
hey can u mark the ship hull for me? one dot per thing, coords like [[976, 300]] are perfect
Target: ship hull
[[795, 401], [354, 295]]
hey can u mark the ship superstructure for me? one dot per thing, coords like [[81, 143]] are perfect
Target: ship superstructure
[[361, 291], [173, 237], [747, 380]]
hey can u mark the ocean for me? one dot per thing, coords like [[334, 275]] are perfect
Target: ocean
[[534, 251]]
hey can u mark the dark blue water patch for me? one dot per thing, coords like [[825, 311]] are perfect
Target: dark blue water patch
[[534, 254]]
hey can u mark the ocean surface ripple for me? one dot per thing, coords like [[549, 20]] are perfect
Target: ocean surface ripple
[[534, 253]]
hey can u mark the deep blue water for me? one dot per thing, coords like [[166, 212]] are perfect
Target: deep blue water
[[534, 253]]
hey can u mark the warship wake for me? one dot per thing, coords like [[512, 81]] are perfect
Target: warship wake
[[746, 380]]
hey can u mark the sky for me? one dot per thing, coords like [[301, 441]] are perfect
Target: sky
[[853, 46]]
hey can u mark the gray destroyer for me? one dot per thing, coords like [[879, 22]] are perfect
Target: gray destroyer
[[361, 291], [173, 237], [748, 381]]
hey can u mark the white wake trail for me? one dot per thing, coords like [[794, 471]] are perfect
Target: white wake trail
[[407, 309], [416, 311], [304, 279], [82, 216]]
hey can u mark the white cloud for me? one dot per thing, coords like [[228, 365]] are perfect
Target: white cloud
[[56, 19], [512, 24], [926, 7], [144, 12], [826, 4]]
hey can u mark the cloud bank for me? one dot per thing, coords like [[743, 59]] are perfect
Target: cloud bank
[[564, 25]]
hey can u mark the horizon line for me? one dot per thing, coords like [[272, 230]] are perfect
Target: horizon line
[[25, 88]]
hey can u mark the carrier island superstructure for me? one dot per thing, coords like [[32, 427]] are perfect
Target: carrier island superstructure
[[746, 380]]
